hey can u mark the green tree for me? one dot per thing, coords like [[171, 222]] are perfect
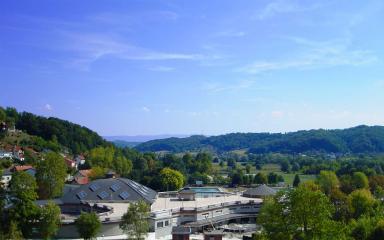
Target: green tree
[[49, 220], [88, 225], [22, 188], [14, 232], [302, 213], [296, 180], [171, 179], [275, 218], [362, 228], [360, 180], [248, 168], [3, 115], [310, 210], [327, 180], [135, 220], [378, 232], [261, 178], [122, 165], [361, 202], [272, 178], [50, 175]]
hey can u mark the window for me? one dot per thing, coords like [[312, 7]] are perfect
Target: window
[[81, 195], [103, 195], [94, 187], [166, 223], [159, 224], [115, 187], [219, 211], [124, 195]]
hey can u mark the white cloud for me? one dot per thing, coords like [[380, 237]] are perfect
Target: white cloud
[[145, 109], [230, 33], [88, 48], [48, 107], [317, 54], [161, 69], [284, 6], [216, 87]]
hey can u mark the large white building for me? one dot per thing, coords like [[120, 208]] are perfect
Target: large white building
[[110, 198]]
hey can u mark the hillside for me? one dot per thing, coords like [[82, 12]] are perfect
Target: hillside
[[72, 136], [360, 139]]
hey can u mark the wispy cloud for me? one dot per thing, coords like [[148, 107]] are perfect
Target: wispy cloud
[[316, 54], [89, 48], [145, 109], [48, 107], [284, 6], [217, 87], [230, 33], [161, 69]]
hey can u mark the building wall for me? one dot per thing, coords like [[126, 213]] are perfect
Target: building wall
[[69, 231]]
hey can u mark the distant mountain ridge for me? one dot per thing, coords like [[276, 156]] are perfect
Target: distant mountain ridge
[[360, 139], [143, 138]]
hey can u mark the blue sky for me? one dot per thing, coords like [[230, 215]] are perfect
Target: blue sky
[[195, 67]]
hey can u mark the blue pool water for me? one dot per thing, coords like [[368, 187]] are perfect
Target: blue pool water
[[205, 190]]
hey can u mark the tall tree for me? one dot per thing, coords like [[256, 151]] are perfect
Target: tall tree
[[50, 175], [49, 220], [361, 202], [360, 180], [296, 180], [275, 218], [135, 220], [88, 225], [171, 179], [23, 194], [327, 180], [261, 178], [311, 210]]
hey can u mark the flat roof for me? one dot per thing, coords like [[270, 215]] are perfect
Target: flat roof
[[162, 204]]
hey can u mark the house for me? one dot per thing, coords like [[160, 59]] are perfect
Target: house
[[80, 160], [3, 126], [5, 154], [6, 177], [18, 153], [7, 173], [21, 168], [70, 163], [82, 177], [261, 191]]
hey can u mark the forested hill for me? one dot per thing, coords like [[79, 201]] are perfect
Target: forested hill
[[361, 139], [76, 138]]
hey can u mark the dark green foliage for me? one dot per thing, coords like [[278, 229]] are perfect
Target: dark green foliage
[[296, 180], [88, 225], [23, 194], [361, 139], [260, 178], [49, 220], [56, 131]]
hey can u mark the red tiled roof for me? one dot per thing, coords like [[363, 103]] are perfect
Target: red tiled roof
[[85, 173], [69, 162], [81, 180], [17, 148], [22, 168]]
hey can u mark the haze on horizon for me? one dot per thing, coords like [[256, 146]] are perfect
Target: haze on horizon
[[195, 67]]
